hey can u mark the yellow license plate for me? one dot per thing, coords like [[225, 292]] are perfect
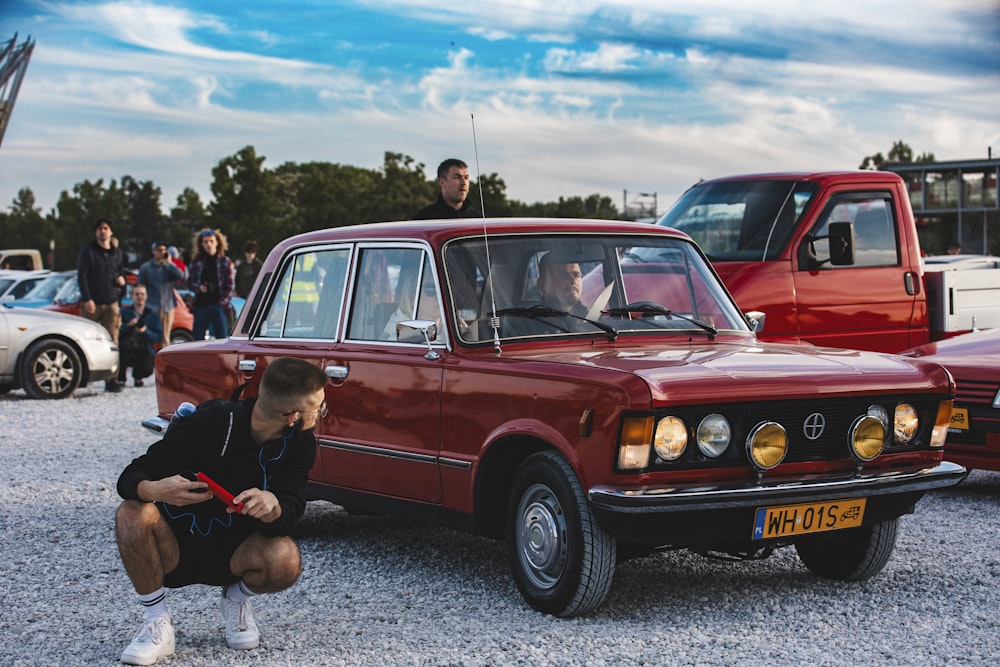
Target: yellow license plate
[[787, 520], [959, 419]]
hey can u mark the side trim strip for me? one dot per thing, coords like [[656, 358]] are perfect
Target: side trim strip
[[379, 451]]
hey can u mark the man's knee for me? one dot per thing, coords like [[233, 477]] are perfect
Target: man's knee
[[135, 515], [277, 562], [285, 562]]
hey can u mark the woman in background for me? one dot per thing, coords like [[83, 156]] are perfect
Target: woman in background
[[212, 279]]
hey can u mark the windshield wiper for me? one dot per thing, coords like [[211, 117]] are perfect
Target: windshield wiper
[[656, 309], [538, 310]]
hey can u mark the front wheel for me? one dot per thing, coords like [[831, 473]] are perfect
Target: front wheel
[[50, 368], [849, 555], [562, 561], [180, 336]]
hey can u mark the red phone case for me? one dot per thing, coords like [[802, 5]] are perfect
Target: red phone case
[[220, 492]]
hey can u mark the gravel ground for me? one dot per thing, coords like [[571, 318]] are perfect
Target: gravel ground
[[383, 591]]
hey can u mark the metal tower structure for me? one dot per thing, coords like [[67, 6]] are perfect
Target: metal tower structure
[[14, 59]]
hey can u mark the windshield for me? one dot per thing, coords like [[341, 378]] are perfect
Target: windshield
[[47, 289], [568, 285], [741, 220]]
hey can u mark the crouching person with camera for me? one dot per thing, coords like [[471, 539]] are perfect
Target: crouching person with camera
[[178, 525], [140, 331]]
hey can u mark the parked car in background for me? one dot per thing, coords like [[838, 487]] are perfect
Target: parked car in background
[[974, 361], [646, 416], [15, 284], [50, 355], [67, 300], [45, 291]]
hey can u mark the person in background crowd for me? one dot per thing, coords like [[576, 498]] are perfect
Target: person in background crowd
[[212, 279], [247, 270], [453, 179], [175, 257], [954, 249], [101, 277], [140, 331], [159, 275], [171, 532]]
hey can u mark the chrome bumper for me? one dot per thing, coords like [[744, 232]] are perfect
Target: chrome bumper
[[617, 500]]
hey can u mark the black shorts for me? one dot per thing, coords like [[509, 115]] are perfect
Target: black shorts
[[205, 550]]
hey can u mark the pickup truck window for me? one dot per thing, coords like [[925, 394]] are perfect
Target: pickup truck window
[[741, 220], [875, 240]]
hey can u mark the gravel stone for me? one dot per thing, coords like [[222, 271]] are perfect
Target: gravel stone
[[388, 591]]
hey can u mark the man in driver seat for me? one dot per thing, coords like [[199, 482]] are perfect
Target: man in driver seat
[[560, 284]]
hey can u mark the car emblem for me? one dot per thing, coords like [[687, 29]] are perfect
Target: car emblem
[[813, 426]]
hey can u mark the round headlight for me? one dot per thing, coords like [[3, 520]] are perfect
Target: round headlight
[[905, 423], [670, 438], [880, 413], [713, 435], [867, 437], [767, 445]]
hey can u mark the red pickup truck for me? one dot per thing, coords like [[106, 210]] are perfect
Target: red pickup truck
[[832, 258]]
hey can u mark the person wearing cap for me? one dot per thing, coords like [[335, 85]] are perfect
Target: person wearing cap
[[158, 275]]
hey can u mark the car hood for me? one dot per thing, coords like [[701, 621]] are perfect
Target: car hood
[[978, 350], [748, 370], [37, 317]]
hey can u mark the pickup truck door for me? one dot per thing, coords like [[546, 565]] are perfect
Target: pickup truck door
[[870, 304]]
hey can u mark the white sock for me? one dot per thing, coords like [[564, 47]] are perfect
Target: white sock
[[154, 603], [238, 591]]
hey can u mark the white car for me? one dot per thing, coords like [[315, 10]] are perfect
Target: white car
[[50, 354], [15, 284]]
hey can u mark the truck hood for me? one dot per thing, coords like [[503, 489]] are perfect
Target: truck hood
[[749, 370]]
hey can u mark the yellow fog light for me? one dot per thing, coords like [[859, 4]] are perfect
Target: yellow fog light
[[905, 423], [671, 438], [637, 436], [767, 445], [941, 423], [713, 435], [867, 437]]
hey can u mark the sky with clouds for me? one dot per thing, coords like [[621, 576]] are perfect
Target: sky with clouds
[[570, 97]]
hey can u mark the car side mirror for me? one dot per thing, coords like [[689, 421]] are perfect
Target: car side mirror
[[755, 319], [413, 331]]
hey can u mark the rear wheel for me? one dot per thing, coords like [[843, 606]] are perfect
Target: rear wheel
[[849, 555], [180, 336], [50, 368], [562, 561]]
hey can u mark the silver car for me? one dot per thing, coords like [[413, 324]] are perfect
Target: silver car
[[50, 354]]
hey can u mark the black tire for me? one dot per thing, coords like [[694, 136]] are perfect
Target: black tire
[[562, 561], [849, 555], [180, 336], [50, 368], [4, 388]]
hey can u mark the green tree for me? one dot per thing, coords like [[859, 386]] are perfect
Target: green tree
[[399, 190], [76, 213], [899, 153], [24, 226], [246, 204]]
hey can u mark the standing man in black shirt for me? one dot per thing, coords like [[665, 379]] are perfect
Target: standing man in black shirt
[[101, 276], [453, 178]]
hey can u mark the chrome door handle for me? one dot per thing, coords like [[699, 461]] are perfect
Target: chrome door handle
[[336, 372], [248, 365]]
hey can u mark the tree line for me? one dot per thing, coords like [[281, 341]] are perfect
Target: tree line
[[250, 201]]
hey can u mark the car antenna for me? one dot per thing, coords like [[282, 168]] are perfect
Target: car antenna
[[494, 320]]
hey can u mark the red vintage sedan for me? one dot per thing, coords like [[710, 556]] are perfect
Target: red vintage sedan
[[582, 391], [974, 361]]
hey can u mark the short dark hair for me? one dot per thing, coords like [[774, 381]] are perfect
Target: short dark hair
[[103, 221], [251, 246], [286, 381], [445, 166]]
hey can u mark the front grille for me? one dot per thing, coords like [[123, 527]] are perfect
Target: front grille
[[976, 396], [833, 445]]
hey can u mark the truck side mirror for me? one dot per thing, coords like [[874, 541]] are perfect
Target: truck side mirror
[[841, 243]]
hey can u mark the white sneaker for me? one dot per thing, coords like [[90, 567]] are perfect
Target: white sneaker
[[153, 640], [241, 628]]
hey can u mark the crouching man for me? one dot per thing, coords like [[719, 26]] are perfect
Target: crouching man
[[172, 532]]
